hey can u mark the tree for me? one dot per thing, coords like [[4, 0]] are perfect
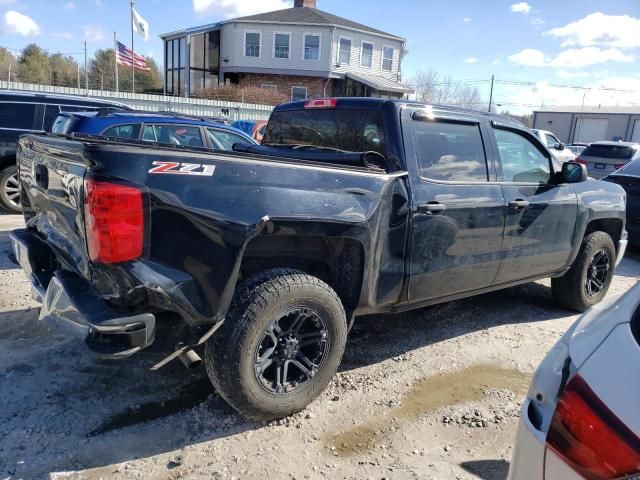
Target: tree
[[7, 62], [63, 70], [34, 65], [435, 89]]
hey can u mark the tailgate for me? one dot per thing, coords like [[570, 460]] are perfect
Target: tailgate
[[51, 171]]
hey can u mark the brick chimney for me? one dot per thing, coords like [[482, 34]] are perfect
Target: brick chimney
[[305, 3]]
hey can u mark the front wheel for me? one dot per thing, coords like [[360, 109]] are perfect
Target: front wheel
[[588, 280], [281, 343], [10, 189]]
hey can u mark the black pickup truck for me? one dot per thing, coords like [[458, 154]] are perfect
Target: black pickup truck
[[266, 254]]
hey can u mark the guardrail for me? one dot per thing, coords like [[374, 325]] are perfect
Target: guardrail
[[154, 103]]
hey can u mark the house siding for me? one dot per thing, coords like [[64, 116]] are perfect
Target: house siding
[[233, 47], [356, 50]]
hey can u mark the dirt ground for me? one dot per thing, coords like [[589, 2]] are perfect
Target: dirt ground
[[428, 394]]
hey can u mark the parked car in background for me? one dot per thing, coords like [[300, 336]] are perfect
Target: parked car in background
[[255, 128], [580, 418], [628, 177], [577, 148], [23, 112], [350, 207], [555, 146], [165, 128], [603, 158]]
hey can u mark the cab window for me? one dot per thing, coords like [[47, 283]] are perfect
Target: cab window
[[450, 151], [522, 161], [129, 132]]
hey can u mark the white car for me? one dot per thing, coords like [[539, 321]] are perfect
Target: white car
[[581, 417], [555, 146]]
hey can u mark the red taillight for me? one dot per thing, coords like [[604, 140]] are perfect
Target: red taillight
[[114, 221], [618, 166], [321, 103], [581, 160], [589, 437]]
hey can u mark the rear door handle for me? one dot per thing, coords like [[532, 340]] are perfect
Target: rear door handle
[[431, 208], [518, 204]]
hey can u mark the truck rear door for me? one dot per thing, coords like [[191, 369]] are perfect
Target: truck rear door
[[458, 209]]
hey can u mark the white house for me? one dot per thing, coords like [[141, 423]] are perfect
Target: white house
[[302, 52]]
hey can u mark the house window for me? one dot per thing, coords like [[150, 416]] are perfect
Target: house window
[[311, 47], [344, 57], [175, 57], [387, 58], [366, 57], [269, 86], [281, 43], [252, 42], [298, 93]]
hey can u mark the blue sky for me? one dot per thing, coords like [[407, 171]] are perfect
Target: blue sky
[[591, 43]]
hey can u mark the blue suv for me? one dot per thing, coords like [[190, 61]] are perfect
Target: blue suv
[[159, 128]]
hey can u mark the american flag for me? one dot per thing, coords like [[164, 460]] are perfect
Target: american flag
[[124, 56]]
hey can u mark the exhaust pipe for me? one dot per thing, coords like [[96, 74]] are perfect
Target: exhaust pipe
[[190, 359]]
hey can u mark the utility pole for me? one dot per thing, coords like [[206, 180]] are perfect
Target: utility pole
[[9, 76], [133, 60], [86, 70], [78, 77], [491, 94]]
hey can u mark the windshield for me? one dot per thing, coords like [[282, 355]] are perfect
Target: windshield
[[347, 130], [608, 151]]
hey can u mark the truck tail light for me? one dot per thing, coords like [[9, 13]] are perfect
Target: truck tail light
[[589, 437], [581, 160], [321, 103], [114, 221]]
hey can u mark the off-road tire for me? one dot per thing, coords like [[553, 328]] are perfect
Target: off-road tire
[[230, 354], [569, 290], [7, 177]]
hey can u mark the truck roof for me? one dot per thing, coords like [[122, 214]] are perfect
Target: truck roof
[[375, 103]]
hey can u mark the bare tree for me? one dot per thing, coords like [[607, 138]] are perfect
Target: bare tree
[[431, 87]]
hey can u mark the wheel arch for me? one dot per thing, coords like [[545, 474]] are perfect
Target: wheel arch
[[611, 226]]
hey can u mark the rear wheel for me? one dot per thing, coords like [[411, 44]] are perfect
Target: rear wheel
[[10, 189], [589, 278], [280, 345]]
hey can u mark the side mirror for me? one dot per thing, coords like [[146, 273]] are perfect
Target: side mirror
[[573, 172], [559, 146]]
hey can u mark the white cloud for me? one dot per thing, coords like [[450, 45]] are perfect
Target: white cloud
[[471, 60], [522, 7], [19, 24], [65, 35], [562, 73], [537, 22], [529, 57], [571, 58], [7, 2], [621, 31], [93, 33], [466, 19], [237, 8], [69, 6]]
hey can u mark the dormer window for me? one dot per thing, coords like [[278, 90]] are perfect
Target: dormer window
[[281, 45], [252, 41]]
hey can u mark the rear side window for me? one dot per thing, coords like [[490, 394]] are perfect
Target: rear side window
[[64, 124], [173, 135], [129, 132], [221, 140], [19, 116], [450, 151], [50, 114], [350, 130], [522, 161], [621, 152]]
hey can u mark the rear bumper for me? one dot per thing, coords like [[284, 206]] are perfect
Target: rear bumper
[[70, 304], [527, 461]]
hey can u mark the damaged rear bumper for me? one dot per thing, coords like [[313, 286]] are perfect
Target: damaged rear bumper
[[70, 304]]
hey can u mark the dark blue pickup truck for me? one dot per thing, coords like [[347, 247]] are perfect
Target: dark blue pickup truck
[[267, 253]]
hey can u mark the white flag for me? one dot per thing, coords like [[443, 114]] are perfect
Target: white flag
[[140, 25]]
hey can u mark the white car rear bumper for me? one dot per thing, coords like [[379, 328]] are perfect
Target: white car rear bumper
[[527, 461]]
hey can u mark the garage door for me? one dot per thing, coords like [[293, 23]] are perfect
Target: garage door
[[590, 130], [635, 136]]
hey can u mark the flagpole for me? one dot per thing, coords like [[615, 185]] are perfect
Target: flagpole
[[133, 62], [115, 60]]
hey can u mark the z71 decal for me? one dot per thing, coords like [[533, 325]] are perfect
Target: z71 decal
[[176, 168]]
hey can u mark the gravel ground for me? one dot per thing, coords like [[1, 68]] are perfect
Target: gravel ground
[[433, 393]]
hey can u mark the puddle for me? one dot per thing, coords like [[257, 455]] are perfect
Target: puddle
[[428, 395], [190, 395]]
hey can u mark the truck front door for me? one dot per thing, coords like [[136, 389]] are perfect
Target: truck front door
[[541, 215], [458, 210]]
